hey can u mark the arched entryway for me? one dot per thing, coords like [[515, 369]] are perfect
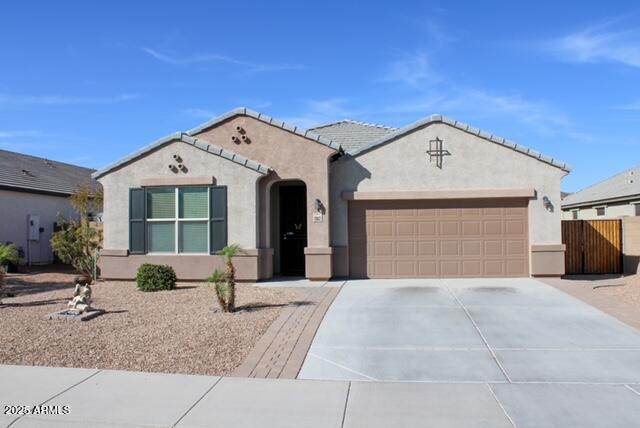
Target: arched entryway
[[288, 227]]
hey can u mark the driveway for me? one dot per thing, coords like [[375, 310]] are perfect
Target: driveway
[[544, 356]]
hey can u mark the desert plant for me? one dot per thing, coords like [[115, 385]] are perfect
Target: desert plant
[[225, 282], [77, 243], [155, 277], [8, 254]]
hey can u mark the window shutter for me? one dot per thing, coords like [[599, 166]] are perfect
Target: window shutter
[[137, 221], [218, 218]]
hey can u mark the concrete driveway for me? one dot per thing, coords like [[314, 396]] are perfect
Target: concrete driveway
[[543, 355]]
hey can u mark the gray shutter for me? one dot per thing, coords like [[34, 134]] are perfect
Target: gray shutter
[[218, 218], [137, 221]]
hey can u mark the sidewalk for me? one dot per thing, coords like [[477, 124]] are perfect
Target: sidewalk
[[107, 398]]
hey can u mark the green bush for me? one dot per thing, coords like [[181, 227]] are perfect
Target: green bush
[[155, 277]]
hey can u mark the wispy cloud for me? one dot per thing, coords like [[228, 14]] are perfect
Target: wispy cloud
[[599, 43], [200, 113], [50, 100], [22, 134], [411, 69], [249, 67], [635, 106], [318, 112]]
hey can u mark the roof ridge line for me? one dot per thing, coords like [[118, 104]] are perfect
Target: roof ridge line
[[604, 180], [375, 125], [438, 118]]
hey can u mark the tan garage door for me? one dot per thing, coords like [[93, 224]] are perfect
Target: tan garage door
[[453, 238]]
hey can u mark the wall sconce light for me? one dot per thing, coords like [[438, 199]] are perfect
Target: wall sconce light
[[318, 204], [547, 204], [177, 158]]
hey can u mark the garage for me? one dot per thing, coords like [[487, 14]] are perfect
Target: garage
[[438, 238]]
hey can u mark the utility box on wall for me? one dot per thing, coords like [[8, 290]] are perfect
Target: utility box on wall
[[33, 224]]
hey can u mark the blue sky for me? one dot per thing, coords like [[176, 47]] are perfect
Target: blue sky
[[88, 82]]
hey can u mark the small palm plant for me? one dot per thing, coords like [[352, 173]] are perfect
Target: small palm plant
[[225, 282]]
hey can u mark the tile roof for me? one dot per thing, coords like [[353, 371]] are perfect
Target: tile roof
[[358, 137], [199, 144], [34, 174], [187, 137], [353, 135], [625, 185]]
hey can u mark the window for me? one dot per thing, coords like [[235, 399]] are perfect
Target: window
[[574, 214], [177, 220], [637, 209], [600, 211]]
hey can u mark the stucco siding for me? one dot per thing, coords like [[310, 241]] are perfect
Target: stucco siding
[[241, 185], [474, 163], [612, 211], [16, 206]]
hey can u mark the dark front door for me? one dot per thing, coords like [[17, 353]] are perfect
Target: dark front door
[[293, 229]]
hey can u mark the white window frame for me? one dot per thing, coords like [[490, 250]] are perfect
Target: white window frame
[[176, 223], [575, 214]]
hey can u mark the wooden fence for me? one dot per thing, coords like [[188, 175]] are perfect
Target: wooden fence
[[593, 246]]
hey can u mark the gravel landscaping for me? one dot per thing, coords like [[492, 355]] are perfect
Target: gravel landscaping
[[625, 290], [174, 331]]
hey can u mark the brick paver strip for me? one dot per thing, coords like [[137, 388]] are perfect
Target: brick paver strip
[[280, 352]]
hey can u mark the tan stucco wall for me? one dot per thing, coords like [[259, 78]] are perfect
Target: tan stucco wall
[[612, 211], [475, 163], [631, 244], [14, 209], [241, 185], [292, 157]]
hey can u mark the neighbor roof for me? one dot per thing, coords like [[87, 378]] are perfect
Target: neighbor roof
[[625, 185], [199, 144], [392, 134], [40, 175], [353, 135]]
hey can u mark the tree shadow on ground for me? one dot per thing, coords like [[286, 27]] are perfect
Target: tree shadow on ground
[[34, 303], [251, 307], [22, 288]]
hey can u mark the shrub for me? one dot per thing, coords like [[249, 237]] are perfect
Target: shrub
[[8, 255], [155, 277]]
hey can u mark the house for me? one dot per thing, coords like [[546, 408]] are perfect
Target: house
[[437, 198], [34, 196], [615, 197]]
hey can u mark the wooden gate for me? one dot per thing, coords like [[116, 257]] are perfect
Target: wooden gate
[[593, 246]]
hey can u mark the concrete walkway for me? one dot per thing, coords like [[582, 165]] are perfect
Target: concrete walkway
[[107, 398]]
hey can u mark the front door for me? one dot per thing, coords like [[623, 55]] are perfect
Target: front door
[[293, 229]]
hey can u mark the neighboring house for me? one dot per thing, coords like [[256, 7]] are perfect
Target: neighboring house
[[34, 195], [437, 198], [615, 197]]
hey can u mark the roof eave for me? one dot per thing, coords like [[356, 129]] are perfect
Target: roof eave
[[243, 111], [437, 118], [199, 144], [625, 198]]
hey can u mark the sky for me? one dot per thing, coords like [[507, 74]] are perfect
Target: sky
[[91, 82]]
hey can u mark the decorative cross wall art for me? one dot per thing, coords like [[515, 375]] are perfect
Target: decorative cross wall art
[[437, 152]]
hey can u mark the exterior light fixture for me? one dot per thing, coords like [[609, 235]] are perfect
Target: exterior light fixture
[[547, 203], [318, 204]]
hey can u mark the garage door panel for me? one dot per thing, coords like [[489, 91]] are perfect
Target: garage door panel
[[449, 228], [472, 248], [464, 238]]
